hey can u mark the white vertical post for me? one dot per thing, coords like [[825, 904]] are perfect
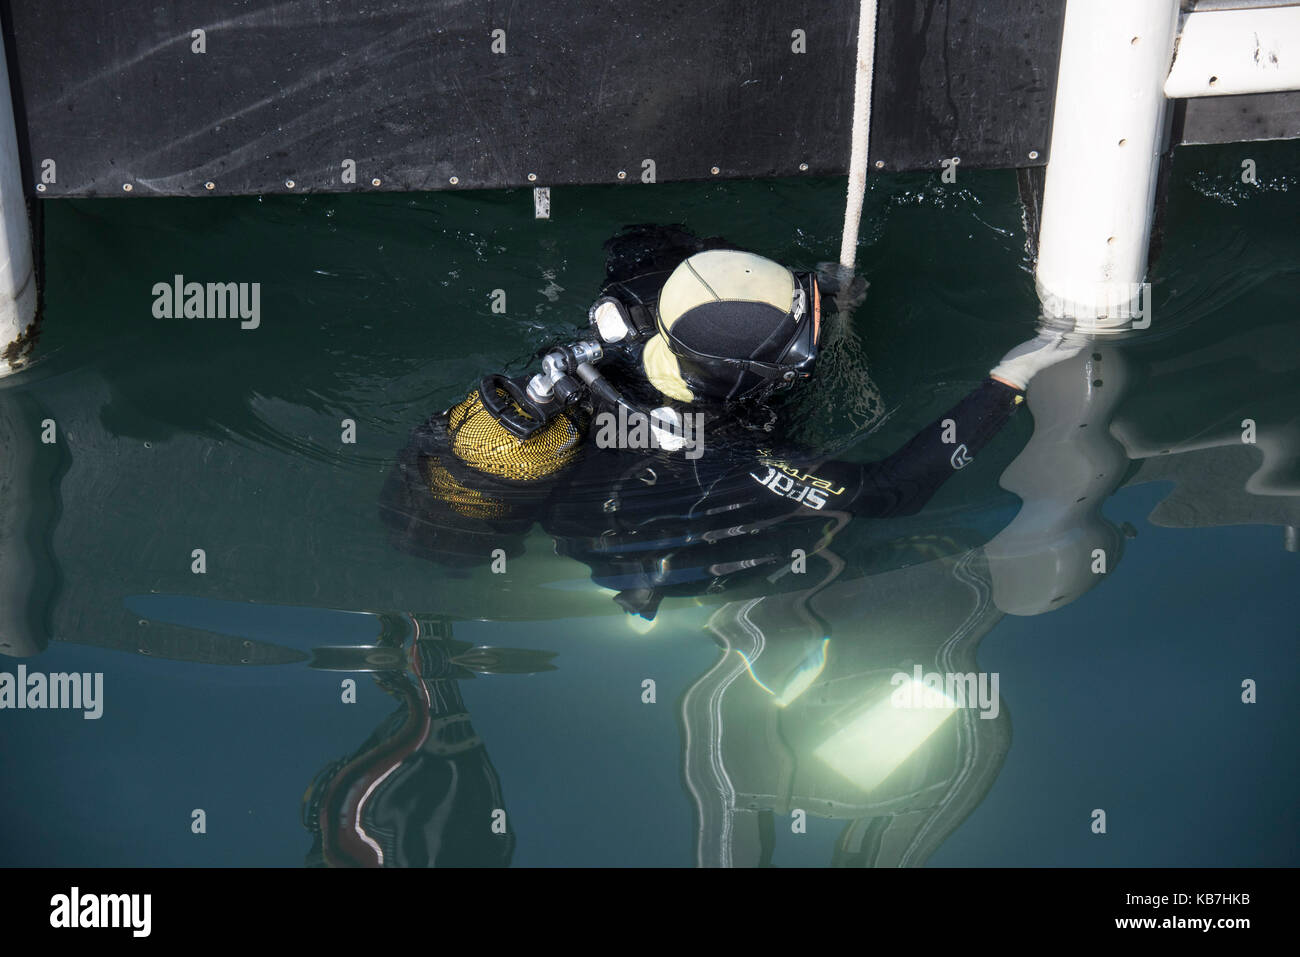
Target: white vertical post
[[861, 133], [1107, 136], [17, 272]]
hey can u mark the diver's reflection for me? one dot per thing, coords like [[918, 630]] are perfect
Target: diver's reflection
[[421, 790], [802, 710], [795, 716], [802, 713]]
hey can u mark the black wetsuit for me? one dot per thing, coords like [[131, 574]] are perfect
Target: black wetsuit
[[651, 523]]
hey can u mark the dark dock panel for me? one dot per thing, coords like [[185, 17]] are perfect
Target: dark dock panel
[[420, 94]]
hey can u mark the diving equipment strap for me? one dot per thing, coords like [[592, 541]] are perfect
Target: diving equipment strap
[[516, 412]]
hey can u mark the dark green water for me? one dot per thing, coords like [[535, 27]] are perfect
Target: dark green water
[[172, 435]]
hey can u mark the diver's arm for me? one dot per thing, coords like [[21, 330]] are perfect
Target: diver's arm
[[902, 483], [906, 480]]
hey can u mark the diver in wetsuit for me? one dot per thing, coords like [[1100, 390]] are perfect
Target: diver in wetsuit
[[650, 451]]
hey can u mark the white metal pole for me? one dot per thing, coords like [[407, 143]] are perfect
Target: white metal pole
[[17, 274], [1107, 136]]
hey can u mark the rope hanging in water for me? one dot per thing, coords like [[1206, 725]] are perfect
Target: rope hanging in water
[[861, 132]]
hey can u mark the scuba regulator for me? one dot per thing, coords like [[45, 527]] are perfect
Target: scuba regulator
[[569, 373]]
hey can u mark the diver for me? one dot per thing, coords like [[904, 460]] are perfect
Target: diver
[[692, 342]]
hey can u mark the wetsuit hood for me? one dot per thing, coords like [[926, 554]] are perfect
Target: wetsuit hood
[[732, 325]]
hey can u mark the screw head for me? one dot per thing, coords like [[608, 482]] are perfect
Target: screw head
[[532, 177], [454, 180], [803, 167], [40, 187], [127, 187], [880, 164], [715, 171], [376, 181], [622, 174], [289, 183], [1033, 154], [209, 185]]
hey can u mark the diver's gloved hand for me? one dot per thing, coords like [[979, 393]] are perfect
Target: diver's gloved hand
[[1028, 359]]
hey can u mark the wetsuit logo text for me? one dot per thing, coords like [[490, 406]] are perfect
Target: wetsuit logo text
[[812, 494]]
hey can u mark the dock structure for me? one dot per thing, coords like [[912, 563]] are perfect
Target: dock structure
[[240, 97]]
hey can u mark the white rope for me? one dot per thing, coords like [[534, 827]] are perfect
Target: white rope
[[861, 132]]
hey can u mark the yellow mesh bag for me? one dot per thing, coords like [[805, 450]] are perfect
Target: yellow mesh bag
[[480, 441], [464, 501]]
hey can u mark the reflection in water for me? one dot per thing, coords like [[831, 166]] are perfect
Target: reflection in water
[[797, 712], [421, 791], [752, 756], [901, 778], [32, 466], [1059, 545], [1223, 422]]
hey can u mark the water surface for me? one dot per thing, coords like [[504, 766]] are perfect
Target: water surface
[[1122, 695]]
